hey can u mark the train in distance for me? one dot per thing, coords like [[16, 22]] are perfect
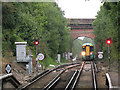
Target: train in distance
[[87, 51]]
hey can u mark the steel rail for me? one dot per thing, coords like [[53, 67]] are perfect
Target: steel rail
[[5, 76], [95, 66], [55, 80], [71, 80], [42, 75], [78, 75], [49, 85], [36, 79], [94, 77], [9, 78], [73, 66], [61, 66], [54, 83]]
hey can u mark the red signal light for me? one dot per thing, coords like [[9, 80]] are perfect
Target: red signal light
[[36, 42], [108, 41]]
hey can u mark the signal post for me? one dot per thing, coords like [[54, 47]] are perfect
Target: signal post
[[36, 43], [108, 41]]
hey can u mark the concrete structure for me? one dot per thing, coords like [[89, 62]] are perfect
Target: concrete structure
[[112, 80], [58, 57], [81, 28], [21, 55], [20, 51]]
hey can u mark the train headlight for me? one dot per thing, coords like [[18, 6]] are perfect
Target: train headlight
[[83, 53], [91, 53]]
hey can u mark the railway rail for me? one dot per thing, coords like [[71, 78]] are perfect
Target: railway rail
[[10, 80], [87, 77], [73, 81], [94, 76], [53, 77], [69, 84], [68, 77]]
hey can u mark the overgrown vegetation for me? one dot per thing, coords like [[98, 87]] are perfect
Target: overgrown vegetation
[[107, 25], [32, 21]]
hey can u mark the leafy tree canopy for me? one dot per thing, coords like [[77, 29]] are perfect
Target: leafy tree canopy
[[41, 21], [106, 26]]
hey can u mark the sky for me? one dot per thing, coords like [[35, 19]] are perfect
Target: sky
[[81, 38], [79, 8]]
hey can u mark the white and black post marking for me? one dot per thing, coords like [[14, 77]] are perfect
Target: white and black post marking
[[8, 68]]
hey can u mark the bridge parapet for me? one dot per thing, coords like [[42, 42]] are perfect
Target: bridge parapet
[[80, 21], [81, 28]]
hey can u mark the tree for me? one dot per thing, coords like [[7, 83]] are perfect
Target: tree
[[31, 21], [106, 25]]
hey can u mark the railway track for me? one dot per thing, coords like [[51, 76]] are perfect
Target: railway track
[[73, 81], [50, 77], [67, 77], [87, 78], [72, 76]]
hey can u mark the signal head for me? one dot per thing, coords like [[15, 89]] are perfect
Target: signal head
[[108, 41], [36, 42]]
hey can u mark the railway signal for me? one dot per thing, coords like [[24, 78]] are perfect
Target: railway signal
[[36, 42], [108, 41]]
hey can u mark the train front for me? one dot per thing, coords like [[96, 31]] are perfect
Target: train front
[[87, 51]]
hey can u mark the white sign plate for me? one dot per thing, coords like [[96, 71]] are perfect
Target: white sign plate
[[100, 56], [8, 68], [40, 56]]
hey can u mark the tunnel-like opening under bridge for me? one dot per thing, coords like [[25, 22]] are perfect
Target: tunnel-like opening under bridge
[[81, 28]]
